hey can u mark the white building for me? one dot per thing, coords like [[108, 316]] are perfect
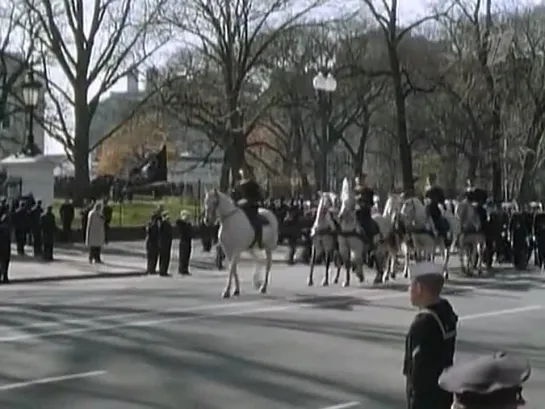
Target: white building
[[192, 169], [113, 110], [192, 144], [13, 116]]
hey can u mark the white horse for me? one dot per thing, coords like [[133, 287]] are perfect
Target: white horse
[[392, 240], [420, 234], [352, 245], [236, 235], [324, 236], [471, 239]]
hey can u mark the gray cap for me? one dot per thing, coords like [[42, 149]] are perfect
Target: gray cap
[[489, 380]]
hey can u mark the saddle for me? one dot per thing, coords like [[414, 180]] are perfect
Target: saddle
[[257, 221]]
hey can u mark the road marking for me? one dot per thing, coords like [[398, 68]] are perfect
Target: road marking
[[197, 308], [345, 405], [222, 313], [254, 309], [53, 379], [96, 320], [501, 312]]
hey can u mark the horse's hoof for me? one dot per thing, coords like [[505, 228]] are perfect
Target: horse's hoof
[[263, 290], [336, 281], [346, 284], [325, 283], [392, 276], [226, 294], [310, 283], [236, 293]]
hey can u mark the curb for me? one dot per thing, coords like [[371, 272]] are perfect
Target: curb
[[73, 277]]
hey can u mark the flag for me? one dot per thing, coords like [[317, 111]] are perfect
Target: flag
[[153, 169]]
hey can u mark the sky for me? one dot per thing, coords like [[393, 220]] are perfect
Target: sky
[[409, 10]]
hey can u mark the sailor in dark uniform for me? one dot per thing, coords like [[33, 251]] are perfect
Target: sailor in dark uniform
[[436, 196], [479, 197], [430, 342], [248, 197], [489, 382]]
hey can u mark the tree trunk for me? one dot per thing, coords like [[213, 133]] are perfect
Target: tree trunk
[[451, 176], [81, 187], [224, 177], [359, 155], [238, 146], [473, 166], [526, 191], [405, 156]]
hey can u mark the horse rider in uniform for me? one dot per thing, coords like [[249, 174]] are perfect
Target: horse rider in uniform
[[436, 196], [489, 382], [364, 196], [478, 197], [249, 198]]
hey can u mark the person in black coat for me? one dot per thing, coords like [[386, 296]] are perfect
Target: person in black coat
[[165, 244], [152, 243], [21, 222], [5, 246], [186, 235], [67, 214], [49, 228], [35, 228]]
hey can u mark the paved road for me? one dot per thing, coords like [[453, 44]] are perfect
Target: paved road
[[155, 343]]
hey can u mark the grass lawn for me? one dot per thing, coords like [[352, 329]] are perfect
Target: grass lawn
[[137, 212]]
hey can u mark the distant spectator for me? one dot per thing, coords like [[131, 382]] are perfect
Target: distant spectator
[[95, 235]]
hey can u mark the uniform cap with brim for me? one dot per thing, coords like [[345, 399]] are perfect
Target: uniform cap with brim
[[488, 380], [426, 269]]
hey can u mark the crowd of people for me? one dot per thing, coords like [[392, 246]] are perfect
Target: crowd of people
[[159, 234], [27, 223]]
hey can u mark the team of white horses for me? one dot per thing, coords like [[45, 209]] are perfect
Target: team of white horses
[[405, 227]]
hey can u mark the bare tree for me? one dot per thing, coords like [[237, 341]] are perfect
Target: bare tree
[[394, 33], [233, 37], [16, 49], [477, 20], [524, 99], [93, 45]]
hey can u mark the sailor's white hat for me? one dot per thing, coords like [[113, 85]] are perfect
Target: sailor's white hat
[[426, 269]]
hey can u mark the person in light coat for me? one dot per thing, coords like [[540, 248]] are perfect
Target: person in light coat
[[95, 234]]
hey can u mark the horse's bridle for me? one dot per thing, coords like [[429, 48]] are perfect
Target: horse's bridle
[[222, 218]]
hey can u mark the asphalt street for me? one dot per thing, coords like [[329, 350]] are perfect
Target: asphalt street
[[150, 342]]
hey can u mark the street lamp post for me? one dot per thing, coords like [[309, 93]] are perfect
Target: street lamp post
[[324, 85], [31, 90]]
